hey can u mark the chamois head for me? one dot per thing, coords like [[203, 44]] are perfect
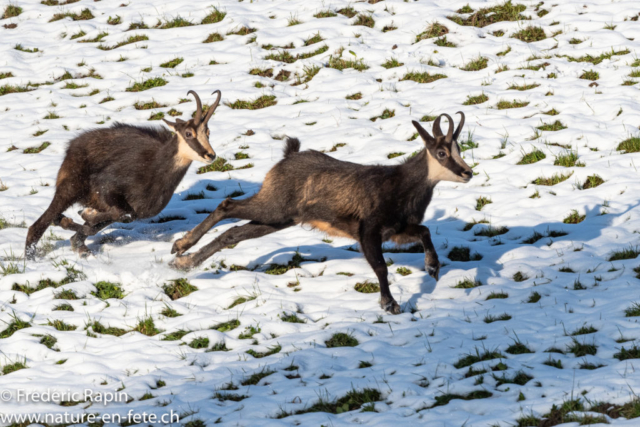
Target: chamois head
[[193, 135], [443, 152]]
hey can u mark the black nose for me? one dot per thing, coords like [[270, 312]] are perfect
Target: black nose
[[210, 156], [467, 174]]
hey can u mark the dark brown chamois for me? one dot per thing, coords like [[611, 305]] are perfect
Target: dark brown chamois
[[371, 204], [123, 173]]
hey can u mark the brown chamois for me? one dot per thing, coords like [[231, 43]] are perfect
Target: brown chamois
[[371, 204], [123, 173]]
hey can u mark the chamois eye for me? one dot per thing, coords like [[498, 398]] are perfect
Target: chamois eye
[[442, 154], [189, 134]]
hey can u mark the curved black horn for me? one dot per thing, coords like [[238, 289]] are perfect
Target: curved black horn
[[456, 134], [199, 104], [213, 107], [436, 127], [450, 131]]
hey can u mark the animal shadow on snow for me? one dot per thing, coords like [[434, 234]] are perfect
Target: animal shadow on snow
[[447, 233]]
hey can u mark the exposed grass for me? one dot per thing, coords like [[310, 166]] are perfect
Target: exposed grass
[[481, 202], [11, 11], [13, 367], [199, 343], [367, 287], [339, 63], [627, 253], [476, 357], [226, 326], [173, 63], [434, 29], [534, 156], [255, 378], [629, 145], [176, 22], [595, 60], [523, 87], [84, 15], [244, 31], [218, 165], [7, 89], [553, 180], [443, 42], [534, 297], [530, 34], [444, 399], [422, 77], [633, 310], [262, 102], [215, 16], [128, 40], [474, 100], [491, 231], [147, 84], [178, 288], [15, 325], [355, 399], [592, 182], [327, 13], [365, 20], [582, 349], [286, 57], [574, 218], [518, 378], [146, 326], [259, 355], [349, 12], [386, 114], [106, 290], [503, 104], [341, 339], [480, 63], [213, 37], [590, 75], [34, 150], [568, 159], [291, 318], [467, 283], [498, 295], [392, 63], [99, 328], [624, 354], [487, 16], [489, 318]]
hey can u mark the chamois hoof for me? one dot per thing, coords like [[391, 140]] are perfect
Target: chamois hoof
[[88, 214], [180, 246], [182, 263], [30, 253], [433, 270], [391, 307]]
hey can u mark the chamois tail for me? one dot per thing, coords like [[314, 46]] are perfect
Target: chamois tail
[[292, 146]]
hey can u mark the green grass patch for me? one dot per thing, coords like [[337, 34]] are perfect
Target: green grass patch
[[553, 180], [582, 349], [106, 290], [463, 254], [504, 105], [481, 202], [339, 63], [365, 20], [226, 326], [262, 102], [84, 15], [34, 150], [392, 63], [422, 77], [629, 145], [467, 283], [99, 328], [574, 218], [568, 159], [11, 11], [367, 287], [213, 37], [480, 63], [595, 60], [487, 16], [633, 310], [218, 165], [178, 288], [523, 87], [147, 327], [291, 318], [215, 16], [255, 378], [434, 29], [199, 343], [518, 378], [386, 114], [7, 89], [534, 156], [173, 63], [471, 358], [530, 34], [474, 100], [491, 231], [489, 318], [590, 75], [341, 339], [627, 253], [498, 295], [624, 354], [259, 355]]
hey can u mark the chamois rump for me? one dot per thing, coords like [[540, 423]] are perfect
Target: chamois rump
[[123, 173], [371, 204]]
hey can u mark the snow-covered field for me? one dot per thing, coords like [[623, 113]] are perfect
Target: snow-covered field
[[554, 321]]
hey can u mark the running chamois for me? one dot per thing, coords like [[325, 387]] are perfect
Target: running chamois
[[123, 173], [370, 204]]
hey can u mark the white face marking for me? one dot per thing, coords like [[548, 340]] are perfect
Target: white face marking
[[186, 154], [437, 172]]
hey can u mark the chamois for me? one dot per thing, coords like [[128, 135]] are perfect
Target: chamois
[[371, 204], [123, 173]]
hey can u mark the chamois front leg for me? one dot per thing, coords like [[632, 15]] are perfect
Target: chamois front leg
[[371, 244], [192, 237]]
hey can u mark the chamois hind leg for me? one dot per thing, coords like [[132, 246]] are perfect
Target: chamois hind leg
[[77, 240], [230, 237], [420, 233], [61, 201], [229, 208], [371, 244], [113, 214]]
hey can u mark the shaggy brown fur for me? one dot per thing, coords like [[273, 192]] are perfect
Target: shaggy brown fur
[[371, 204], [122, 173]]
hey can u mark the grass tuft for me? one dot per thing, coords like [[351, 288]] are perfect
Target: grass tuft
[[422, 77], [262, 102], [178, 288], [341, 339]]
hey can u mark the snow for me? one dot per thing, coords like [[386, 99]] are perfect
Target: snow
[[412, 355]]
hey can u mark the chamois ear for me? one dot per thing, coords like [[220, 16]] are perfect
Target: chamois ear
[[171, 125], [428, 139]]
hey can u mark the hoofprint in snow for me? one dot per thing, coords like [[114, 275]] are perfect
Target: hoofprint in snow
[[535, 304]]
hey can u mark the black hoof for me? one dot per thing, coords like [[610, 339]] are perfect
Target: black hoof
[[391, 307]]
